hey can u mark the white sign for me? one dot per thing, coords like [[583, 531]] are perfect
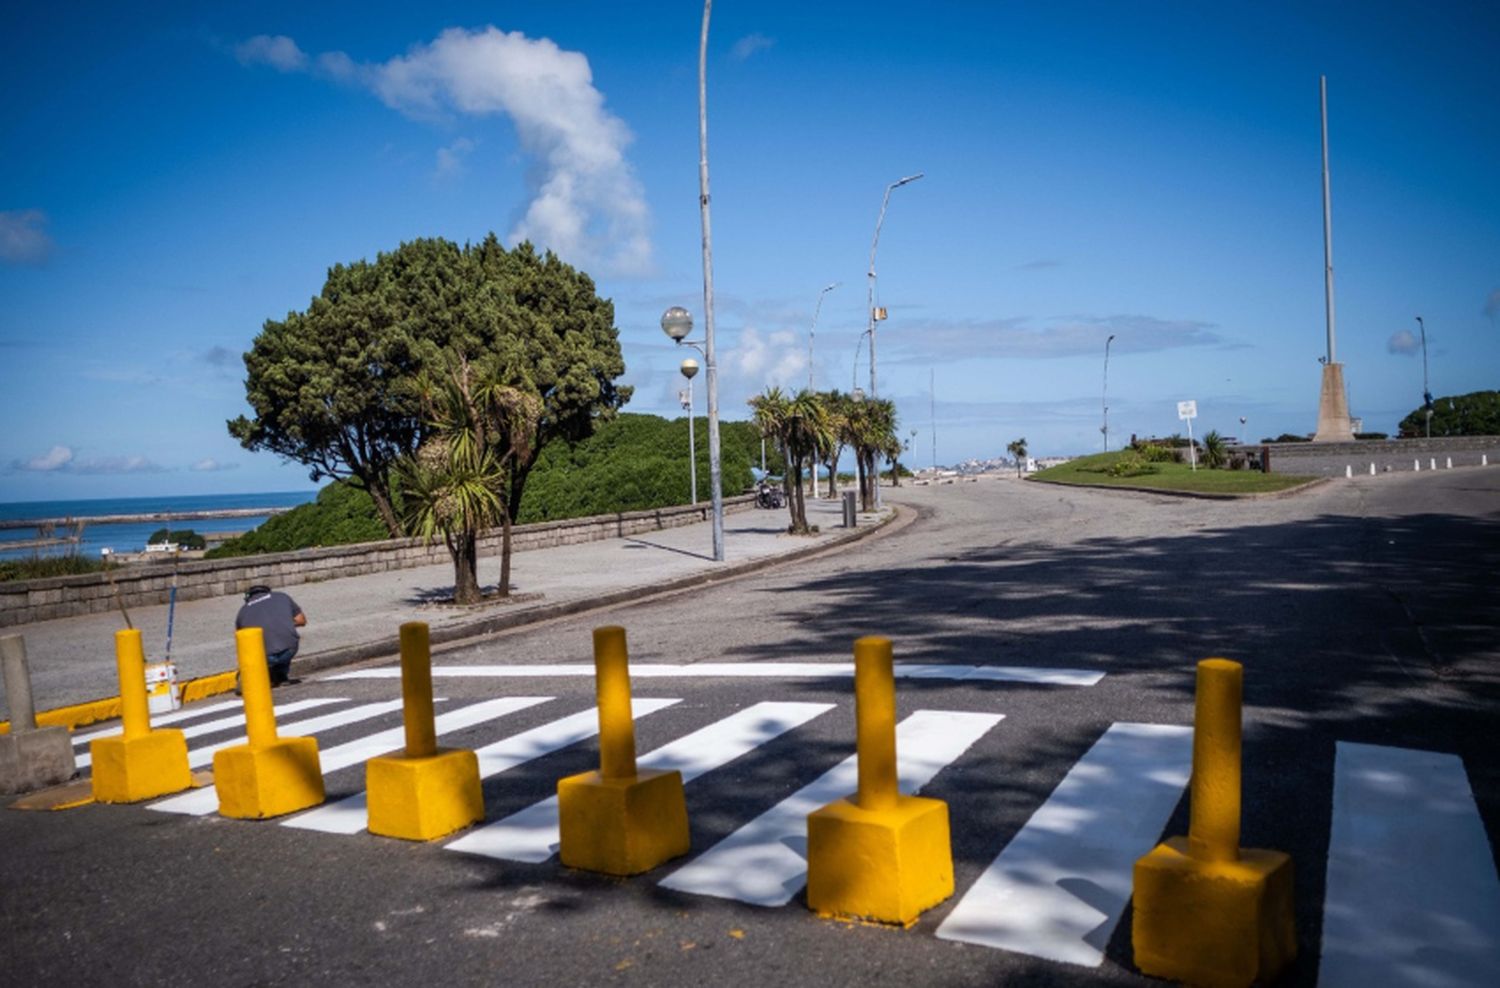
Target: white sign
[[1187, 409]]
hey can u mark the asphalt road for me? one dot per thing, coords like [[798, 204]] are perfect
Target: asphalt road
[[1363, 611]]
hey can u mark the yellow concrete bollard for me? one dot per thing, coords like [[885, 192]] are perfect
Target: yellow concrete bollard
[[139, 763], [1207, 911], [619, 820], [880, 855], [425, 792], [269, 775]]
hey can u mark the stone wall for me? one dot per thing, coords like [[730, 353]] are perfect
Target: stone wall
[[25, 601], [1388, 455]]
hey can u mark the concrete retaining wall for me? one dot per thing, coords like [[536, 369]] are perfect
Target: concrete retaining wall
[[25, 601], [1388, 455]]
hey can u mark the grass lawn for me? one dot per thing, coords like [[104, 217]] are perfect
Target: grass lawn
[[1093, 471]]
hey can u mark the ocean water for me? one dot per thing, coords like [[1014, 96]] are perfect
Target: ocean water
[[132, 537]]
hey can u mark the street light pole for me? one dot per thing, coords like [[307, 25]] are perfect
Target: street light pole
[[1426, 392], [874, 244], [715, 485], [870, 300], [816, 309], [810, 332], [1105, 400]]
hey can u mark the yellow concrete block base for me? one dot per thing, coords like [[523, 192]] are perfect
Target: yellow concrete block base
[[282, 777], [1217, 924], [128, 770], [424, 798], [622, 826], [884, 865]]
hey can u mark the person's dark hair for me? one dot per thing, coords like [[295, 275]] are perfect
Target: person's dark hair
[[259, 590]]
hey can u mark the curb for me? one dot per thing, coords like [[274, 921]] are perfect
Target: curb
[[78, 715], [1197, 495], [496, 623]]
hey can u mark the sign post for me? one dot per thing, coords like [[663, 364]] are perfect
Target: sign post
[[1187, 411]]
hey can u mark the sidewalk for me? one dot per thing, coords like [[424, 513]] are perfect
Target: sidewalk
[[72, 659]]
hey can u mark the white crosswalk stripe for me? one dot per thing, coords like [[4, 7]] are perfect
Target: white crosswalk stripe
[[198, 802], [532, 834], [1059, 887], [765, 862], [348, 815], [237, 721], [1412, 896], [162, 720]]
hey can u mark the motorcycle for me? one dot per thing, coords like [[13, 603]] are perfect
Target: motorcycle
[[768, 496]]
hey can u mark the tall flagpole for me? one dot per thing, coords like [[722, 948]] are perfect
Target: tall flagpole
[[1327, 222], [1334, 423]]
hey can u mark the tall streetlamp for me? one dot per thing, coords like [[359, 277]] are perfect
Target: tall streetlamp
[[870, 300], [874, 244], [812, 330], [816, 309], [1426, 393], [689, 370], [677, 323], [1105, 400], [680, 322]]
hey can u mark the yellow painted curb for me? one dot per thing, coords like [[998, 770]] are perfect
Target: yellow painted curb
[[81, 714]]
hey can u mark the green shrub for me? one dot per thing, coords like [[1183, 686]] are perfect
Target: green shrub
[[1131, 464], [342, 514], [41, 567], [1157, 453], [1215, 451]]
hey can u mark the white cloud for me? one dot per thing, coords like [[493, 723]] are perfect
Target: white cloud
[[277, 51], [56, 458], [1403, 341], [338, 65], [23, 237], [749, 45], [761, 360], [116, 464], [211, 465], [1492, 304], [586, 203], [450, 159]]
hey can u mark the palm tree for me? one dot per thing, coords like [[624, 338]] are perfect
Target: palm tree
[[800, 426], [870, 428], [1215, 453], [452, 485], [836, 406], [1017, 449]]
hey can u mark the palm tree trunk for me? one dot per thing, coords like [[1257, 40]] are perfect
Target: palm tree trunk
[[464, 548], [799, 505], [503, 590]]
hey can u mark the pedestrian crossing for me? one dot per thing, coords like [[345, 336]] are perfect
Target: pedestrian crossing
[[1412, 894], [1061, 884]]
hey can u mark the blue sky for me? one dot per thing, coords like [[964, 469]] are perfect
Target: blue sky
[[171, 179]]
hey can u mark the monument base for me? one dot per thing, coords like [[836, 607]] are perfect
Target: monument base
[[1333, 408]]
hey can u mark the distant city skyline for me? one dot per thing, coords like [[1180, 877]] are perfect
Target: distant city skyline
[[172, 177]]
